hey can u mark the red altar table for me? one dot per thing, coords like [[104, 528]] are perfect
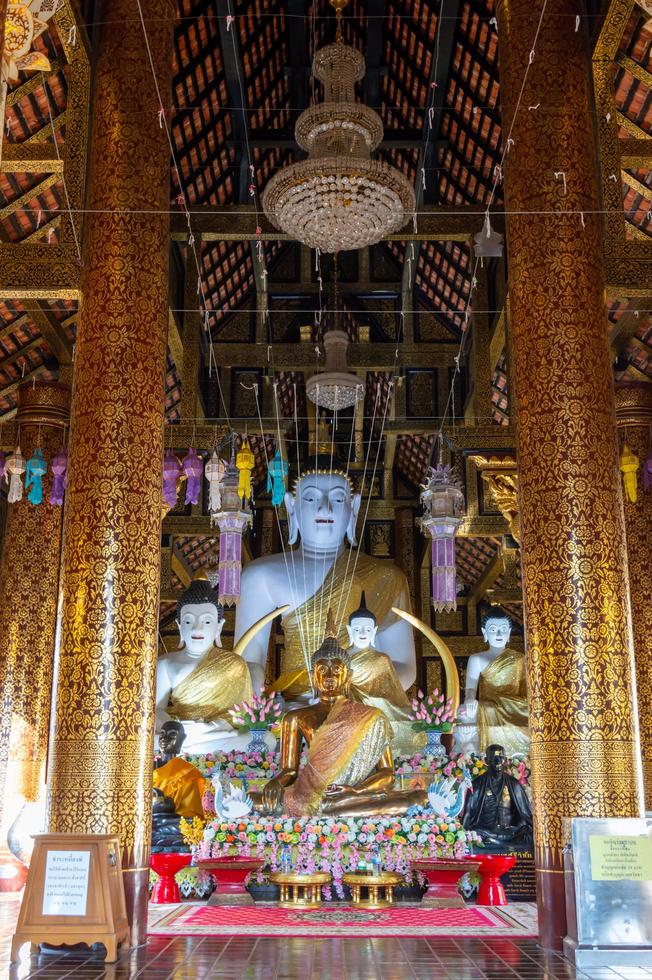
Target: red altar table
[[230, 874], [443, 876], [492, 866], [166, 866]]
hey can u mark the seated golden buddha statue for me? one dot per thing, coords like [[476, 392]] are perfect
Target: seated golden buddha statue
[[200, 682], [349, 770], [374, 681]]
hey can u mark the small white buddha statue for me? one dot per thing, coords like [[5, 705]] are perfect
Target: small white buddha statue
[[321, 573], [198, 683], [495, 706], [374, 681]]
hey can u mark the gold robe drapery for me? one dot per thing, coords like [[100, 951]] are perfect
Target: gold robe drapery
[[374, 681], [383, 583], [344, 750], [184, 784], [220, 680], [502, 704]]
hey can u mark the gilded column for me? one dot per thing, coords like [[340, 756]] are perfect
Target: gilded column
[[100, 777], [585, 755], [634, 420], [29, 584]]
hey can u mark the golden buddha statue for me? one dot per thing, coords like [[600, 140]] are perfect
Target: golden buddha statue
[[350, 770]]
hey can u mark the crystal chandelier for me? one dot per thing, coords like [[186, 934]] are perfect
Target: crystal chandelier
[[339, 198]]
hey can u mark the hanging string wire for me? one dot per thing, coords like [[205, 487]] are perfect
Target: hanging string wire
[[348, 464], [323, 577], [63, 176], [303, 557]]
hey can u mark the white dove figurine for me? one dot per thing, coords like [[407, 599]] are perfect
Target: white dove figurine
[[446, 797], [234, 806]]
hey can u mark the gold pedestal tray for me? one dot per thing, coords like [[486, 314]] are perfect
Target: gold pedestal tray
[[385, 881], [306, 888]]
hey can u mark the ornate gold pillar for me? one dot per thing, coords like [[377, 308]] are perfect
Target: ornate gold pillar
[[585, 754], [29, 584], [634, 420], [100, 778]]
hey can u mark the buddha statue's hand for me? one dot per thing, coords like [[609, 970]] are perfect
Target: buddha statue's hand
[[468, 712], [272, 795], [337, 792]]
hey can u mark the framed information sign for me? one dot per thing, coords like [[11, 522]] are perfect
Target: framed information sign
[[74, 894]]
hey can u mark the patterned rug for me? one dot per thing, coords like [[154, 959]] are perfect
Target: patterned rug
[[341, 920]]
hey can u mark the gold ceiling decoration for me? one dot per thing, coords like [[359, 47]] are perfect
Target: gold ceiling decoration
[[339, 198]]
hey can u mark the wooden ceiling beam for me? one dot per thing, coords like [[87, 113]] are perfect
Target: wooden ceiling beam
[[40, 158], [637, 186], [51, 331], [43, 271], [444, 222], [21, 202]]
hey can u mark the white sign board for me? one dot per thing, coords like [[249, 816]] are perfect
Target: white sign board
[[66, 882]]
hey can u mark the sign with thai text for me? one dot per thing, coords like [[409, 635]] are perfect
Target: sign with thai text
[[619, 858], [66, 882]]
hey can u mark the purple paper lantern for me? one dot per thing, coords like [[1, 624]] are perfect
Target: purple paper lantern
[[232, 520], [60, 481], [443, 505], [647, 471], [193, 467], [171, 474]]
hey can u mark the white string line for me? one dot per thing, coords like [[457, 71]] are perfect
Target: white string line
[[204, 309], [278, 521], [330, 468], [497, 172], [364, 476], [290, 548], [303, 556], [369, 494], [348, 465], [63, 176]]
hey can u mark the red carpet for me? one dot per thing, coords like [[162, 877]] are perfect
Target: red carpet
[[341, 920]]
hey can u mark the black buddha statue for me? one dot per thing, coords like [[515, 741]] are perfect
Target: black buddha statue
[[177, 791], [498, 809]]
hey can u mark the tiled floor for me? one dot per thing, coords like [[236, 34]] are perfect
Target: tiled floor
[[307, 959]]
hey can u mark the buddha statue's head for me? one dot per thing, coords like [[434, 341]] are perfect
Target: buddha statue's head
[[323, 509], [496, 631], [199, 618], [330, 666], [171, 738], [362, 626]]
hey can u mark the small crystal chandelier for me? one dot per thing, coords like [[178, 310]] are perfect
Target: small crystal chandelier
[[335, 389], [443, 509], [339, 198]]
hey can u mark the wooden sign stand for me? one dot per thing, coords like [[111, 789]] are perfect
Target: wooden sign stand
[[83, 874]]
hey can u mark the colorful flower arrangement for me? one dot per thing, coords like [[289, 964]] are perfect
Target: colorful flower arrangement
[[250, 765], [261, 712], [433, 713], [455, 765]]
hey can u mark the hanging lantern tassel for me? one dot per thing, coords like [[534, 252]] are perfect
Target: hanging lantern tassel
[[60, 477], [214, 473], [34, 472], [14, 470], [171, 474], [647, 471], [443, 504], [277, 472], [629, 464], [193, 467], [245, 461]]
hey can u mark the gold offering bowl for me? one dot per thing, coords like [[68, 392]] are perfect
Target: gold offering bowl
[[306, 888], [386, 880]]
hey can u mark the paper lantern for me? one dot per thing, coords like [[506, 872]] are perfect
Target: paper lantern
[[629, 464], [244, 462], [171, 474], [193, 467], [34, 472], [647, 471], [232, 519], [443, 505], [277, 472], [14, 469], [60, 477], [214, 473]]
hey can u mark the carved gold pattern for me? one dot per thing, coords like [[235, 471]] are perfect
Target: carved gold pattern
[[580, 658], [28, 600], [634, 420], [100, 778]]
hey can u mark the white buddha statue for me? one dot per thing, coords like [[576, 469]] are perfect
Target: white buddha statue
[[321, 573], [198, 683], [495, 707]]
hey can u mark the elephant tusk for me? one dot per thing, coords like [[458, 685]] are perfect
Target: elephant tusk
[[444, 651], [248, 636]]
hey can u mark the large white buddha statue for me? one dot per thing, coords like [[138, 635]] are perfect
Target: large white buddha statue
[[198, 683], [319, 574], [495, 709]]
